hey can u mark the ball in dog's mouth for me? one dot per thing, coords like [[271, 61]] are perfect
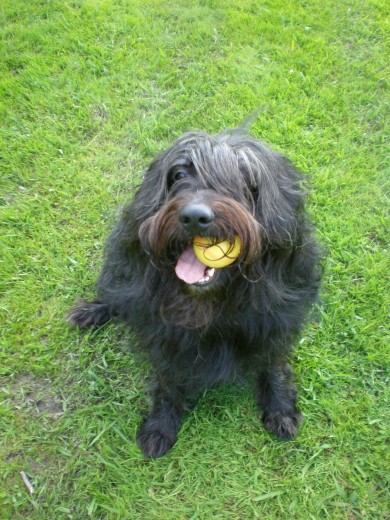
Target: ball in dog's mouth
[[215, 253], [200, 262]]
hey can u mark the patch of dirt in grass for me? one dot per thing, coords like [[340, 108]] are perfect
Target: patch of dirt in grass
[[99, 113], [378, 238], [36, 395], [36, 405]]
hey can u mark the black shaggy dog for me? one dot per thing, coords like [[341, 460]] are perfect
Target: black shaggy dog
[[201, 325]]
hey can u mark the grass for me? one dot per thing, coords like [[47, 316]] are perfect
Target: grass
[[90, 91]]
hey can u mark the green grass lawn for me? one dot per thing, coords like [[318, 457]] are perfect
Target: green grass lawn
[[90, 91]]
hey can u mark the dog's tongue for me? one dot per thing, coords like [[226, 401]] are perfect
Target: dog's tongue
[[188, 267]]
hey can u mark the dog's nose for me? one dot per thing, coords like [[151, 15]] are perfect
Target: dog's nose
[[196, 218]]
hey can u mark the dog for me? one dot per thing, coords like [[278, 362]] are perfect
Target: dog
[[200, 325]]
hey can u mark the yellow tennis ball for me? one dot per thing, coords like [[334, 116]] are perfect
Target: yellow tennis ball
[[214, 254]]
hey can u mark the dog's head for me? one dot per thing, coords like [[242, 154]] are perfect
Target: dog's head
[[220, 187]]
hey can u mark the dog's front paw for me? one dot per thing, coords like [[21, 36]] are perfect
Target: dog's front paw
[[85, 314], [283, 425], [152, 442]]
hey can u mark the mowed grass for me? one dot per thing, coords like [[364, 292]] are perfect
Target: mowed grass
[[90, 91]]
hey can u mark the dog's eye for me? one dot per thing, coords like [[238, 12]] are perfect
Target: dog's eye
[[178, 173], [181, 174]]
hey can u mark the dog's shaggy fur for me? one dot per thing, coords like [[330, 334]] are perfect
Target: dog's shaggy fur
[[200, 332]]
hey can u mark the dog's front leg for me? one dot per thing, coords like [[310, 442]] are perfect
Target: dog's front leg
[[158, 432], [89, 314], [277, 397]]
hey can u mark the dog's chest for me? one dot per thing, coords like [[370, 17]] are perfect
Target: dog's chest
[[240, 333]]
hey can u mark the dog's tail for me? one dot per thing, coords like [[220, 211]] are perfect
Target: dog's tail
[[248, 121]]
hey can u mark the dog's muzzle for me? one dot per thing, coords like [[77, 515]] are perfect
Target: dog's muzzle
[[196, 218]]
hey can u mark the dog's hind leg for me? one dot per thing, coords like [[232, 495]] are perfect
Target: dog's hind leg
[[158, 433], [86, 314], [277, 397]]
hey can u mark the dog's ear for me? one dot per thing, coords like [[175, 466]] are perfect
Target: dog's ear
[[153, 190], [280, 203], [148, 198], [277, 192]]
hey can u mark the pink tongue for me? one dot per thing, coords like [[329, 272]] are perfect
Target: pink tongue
[[188, 267]]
